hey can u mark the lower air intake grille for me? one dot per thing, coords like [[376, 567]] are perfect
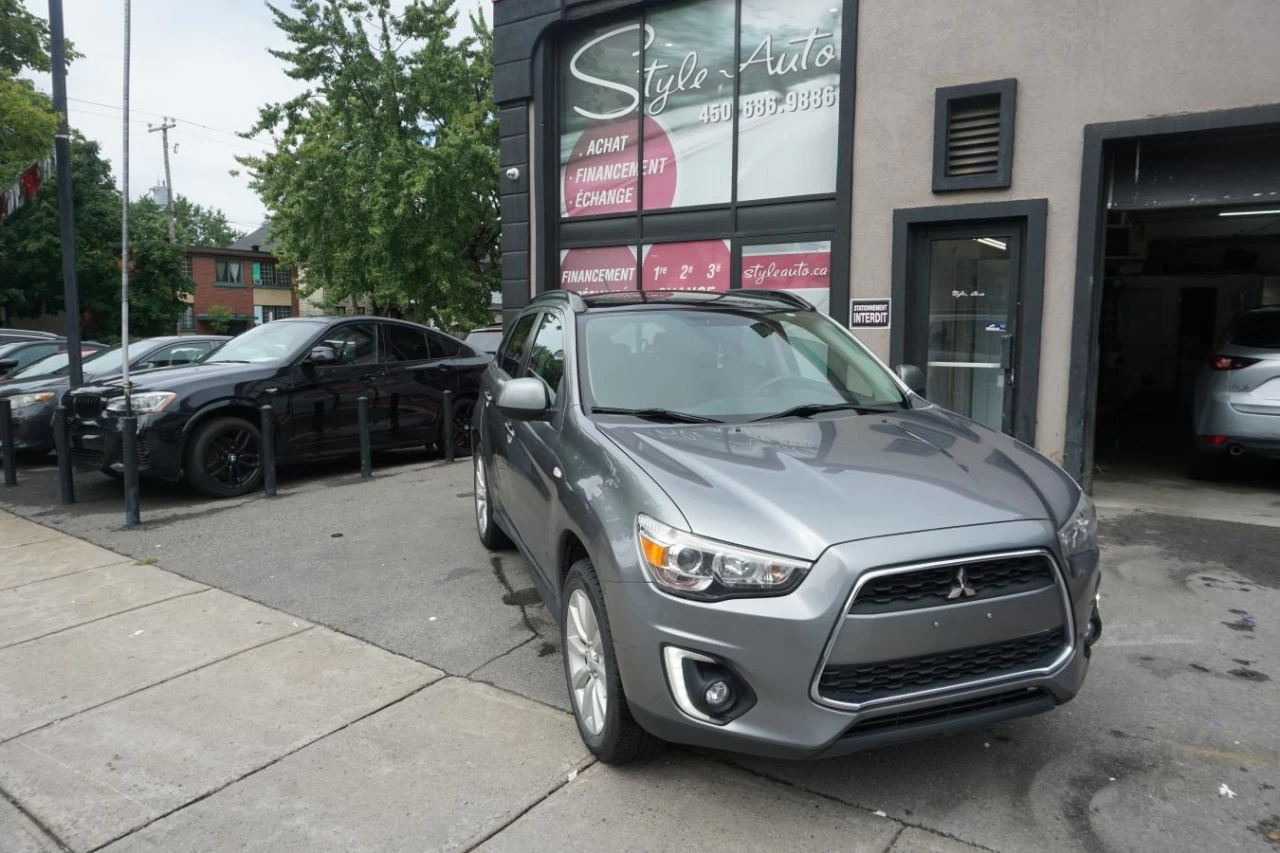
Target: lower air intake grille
[[948, 711], [862, 682]]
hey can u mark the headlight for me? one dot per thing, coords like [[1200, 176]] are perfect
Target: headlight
[[17, 401], [694, 567], [143, 404], [1080, 533]]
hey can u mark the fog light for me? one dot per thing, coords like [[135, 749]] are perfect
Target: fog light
[[718, 694], [705, 688]]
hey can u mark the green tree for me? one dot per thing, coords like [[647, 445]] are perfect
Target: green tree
[[27, 119], [219, 318], [195, 224], [31, 255], [383, 183]]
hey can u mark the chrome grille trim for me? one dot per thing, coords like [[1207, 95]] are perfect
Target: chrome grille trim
[[1057, 663]]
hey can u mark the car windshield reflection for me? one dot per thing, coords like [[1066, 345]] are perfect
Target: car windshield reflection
[[278, 341]]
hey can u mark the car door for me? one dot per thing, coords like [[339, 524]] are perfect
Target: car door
[[324, 400], [412, 386], [531, 455], [496, 431]]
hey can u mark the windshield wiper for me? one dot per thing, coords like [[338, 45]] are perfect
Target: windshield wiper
[[656, 415], [808, 410], [225, 361]]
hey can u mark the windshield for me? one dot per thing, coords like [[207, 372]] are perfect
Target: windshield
[[1261, 330], [485, 341], [268, 342], [56, 364], [727, 365]]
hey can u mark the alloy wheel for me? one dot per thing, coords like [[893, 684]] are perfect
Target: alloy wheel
[[482, 495], [232, 458], [585, 649], [462, 429]]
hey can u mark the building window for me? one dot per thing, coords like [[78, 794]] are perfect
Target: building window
[[264, 274], [228, 273], [973, 136], [187, 320], [720, 118], [186, 266], [339, 310], [267, 313]]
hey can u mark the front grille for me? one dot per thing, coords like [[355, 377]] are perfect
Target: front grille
[[930, 587], [87, 458], [948, 711], [87, 406], [863, 682]]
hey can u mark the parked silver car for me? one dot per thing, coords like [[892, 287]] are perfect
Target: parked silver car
[[755, 536], [1237, 407]]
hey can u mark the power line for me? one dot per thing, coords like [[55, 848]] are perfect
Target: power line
[[162, 116], [247, 144]]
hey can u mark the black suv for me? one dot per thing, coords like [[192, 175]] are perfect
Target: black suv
[[201, 423]]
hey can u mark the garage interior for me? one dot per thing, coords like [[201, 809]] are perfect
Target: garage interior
[[1192, 239]]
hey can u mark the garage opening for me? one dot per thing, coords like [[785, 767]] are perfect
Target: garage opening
[[1176, 280]]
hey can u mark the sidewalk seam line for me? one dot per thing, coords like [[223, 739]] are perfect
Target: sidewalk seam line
[[122, 562], [788, 783], [498, 657], [205, 665], [105, 616], [581, 767], [32, 542], [35, 821], [271, 763]]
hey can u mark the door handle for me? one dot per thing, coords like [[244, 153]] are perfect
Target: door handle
[[1006, 357], [369, 376], [488, 396]]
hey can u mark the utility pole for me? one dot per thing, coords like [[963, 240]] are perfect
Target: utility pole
[[66, 203], [164, 128], [128, 423]]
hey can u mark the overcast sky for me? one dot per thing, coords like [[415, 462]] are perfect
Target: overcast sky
[[203, 62]]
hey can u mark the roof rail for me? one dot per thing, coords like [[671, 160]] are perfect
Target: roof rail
[[775, 296], [573, 299]]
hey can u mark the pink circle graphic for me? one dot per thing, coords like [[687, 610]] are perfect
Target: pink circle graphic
[[601, 270], [601, 176]]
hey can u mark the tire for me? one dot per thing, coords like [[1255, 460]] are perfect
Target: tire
[[1206, 466], [462, 430], [607, 727], [223, 458], [491, 536]]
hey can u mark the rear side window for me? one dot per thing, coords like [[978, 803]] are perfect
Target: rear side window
[[513, 347], [546, 359], [405, 343], [1260, 330], [447, 346]]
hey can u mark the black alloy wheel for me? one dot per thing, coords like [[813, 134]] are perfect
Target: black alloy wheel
[[462, 429], [225, 458]]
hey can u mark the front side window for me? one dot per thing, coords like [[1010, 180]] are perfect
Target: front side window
[[513, 347], [178, 354], [227, 272], [353, 344], [726, 364], [546, 359]]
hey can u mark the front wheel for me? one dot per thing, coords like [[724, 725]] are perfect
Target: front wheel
[[224, 458], [591, 670], [491, 536]]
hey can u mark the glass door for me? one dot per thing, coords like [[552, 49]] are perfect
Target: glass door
[[964, 318]]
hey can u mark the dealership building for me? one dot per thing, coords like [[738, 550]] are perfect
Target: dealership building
[[1054, 207]]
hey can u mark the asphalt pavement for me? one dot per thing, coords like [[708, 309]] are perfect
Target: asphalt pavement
[[1172, 745]]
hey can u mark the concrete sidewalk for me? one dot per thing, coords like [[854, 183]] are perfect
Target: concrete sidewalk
[[140, 710]]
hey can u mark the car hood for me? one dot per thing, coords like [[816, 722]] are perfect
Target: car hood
[[796, 486], [27, 386], [182, 377]]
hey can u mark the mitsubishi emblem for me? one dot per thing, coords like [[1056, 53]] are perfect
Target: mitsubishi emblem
[[961, 588]]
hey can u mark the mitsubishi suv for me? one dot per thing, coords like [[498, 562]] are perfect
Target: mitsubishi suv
[[756, 537]]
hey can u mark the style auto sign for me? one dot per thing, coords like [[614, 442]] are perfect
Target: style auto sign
[[787, 86]]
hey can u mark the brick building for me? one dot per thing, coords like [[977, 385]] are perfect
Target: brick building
[[246, 279]]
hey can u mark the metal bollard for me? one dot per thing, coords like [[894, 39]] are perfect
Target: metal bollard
[[366, 455], [129, 452], [62, 441], [6, 439], [268, 452], [446, 412]]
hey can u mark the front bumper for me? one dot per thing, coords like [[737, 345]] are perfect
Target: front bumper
[[98, 444], [33, 428], [779, 647]]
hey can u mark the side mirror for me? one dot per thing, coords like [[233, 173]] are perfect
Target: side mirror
[[524, 400], [912, 377], [322, 355], [7, 365]]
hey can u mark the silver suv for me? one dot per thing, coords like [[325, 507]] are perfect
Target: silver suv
[[757, 538], [1237, 407]]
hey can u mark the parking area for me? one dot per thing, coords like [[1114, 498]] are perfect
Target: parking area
[[1172, 745]]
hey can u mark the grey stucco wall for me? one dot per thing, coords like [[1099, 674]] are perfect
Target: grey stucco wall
[[1077, 62]]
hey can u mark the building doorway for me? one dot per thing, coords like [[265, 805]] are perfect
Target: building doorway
[[1175, 279]]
